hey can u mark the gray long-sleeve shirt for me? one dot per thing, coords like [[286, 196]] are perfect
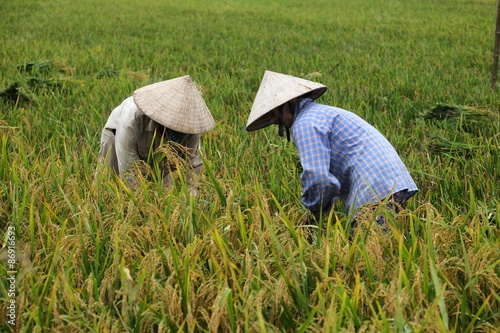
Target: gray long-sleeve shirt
[[136, 136]]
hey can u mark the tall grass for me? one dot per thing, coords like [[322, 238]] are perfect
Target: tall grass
[[94, 256]]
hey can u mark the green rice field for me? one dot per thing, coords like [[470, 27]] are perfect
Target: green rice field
[[81, 252]]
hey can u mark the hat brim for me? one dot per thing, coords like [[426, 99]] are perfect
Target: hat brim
[[268, 119], [262, 122], [176, 104]]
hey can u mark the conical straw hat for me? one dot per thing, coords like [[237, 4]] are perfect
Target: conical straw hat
[[275, 90], [176, 104]]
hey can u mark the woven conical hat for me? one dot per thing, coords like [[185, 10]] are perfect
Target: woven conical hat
[[275, 90], [176, 104]]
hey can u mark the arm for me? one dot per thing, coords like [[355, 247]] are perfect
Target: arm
[[127, 154], [320, 188], [192, 145]]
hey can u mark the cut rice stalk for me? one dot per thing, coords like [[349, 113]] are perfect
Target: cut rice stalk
[[452, 112], [439, 144]]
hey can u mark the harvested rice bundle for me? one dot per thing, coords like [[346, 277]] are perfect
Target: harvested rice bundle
[[38, 66], [15, 93], [452, 112], [38, 83], [439, 144], [465, 118]]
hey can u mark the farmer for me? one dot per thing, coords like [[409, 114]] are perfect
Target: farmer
[[342, 156], [168, 114]]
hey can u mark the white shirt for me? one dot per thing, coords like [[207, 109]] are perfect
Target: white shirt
[[137, 140]]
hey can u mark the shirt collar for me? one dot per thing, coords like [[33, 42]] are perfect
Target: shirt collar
[[303, 101], [150, 125]]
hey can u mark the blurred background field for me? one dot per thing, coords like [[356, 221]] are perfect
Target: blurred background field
[[94, 257]]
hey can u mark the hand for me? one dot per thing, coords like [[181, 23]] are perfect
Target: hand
[[322, 214], [193, 191], [308, 228], [308, 220]]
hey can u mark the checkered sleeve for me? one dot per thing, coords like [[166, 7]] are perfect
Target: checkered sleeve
[[320, 188]]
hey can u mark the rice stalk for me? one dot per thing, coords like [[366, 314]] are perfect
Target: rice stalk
[[441, 145], [37, 66], [39, 83], [17, 94], [215, 183], [455, 113]]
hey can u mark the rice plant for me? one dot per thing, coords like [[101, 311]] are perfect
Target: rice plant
[[93, 255]]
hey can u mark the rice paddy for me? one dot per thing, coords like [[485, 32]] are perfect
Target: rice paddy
[[91, 255]]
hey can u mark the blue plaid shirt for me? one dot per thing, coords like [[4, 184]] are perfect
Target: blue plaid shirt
[[344, 157]]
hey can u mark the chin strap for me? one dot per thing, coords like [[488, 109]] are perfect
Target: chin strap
[[280, 125]]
